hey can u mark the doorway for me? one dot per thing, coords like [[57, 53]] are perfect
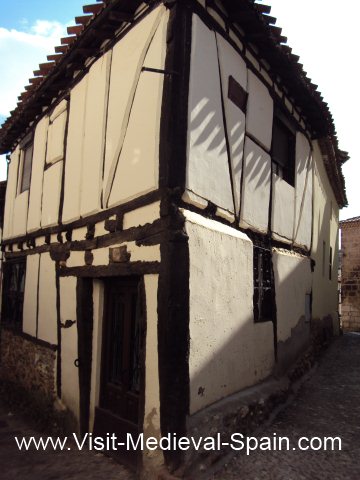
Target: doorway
[[122, 365]]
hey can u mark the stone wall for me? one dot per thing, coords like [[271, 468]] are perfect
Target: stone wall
[[27, 362], [350, 276]]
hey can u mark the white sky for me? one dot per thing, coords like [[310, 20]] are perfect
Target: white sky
[[325, 35], [323, 32]]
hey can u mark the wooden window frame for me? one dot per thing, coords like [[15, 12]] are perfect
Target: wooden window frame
[[26, 159], [283, 165]]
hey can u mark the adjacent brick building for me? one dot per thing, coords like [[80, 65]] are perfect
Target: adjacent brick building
[[350, 274]]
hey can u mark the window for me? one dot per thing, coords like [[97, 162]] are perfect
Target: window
[[263, 285], [26, 163], [237, 94], [13, 293], [283, 148]]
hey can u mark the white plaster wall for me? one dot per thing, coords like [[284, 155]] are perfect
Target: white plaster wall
[[51, 195], [283, 208], [207, 167], [11, 189], [260, 109], [293, 280], [74, 152], [94, 135], [325, 228], [56, 134], [98, 298], [20, 213], [37, 173], [142, 215], [256, 188], [69, 345], [137, 171], [232, 64], [228, 351], [152, 392], [303, 192], [127, 61], [31, 295], [47, 322]]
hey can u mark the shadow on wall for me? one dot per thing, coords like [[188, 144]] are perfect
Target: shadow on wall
[[234, 360]]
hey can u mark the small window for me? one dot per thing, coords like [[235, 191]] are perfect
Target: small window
[[13, 293], [283, 148], [263, 285], [26, 161], [324, 259], [237, 94]]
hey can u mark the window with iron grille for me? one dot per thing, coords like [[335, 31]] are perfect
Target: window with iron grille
[[13, 293], [263, 285]]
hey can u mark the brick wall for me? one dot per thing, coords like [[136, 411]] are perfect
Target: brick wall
[[350, 276], [28, 363]]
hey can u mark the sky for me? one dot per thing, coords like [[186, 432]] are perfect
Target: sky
[[322, 32]]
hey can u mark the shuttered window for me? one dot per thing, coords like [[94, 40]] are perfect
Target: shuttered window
[[283, 149]]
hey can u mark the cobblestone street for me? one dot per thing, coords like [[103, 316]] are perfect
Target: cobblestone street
[[50, 464], [327, 405]]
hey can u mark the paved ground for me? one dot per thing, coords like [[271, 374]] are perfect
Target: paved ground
[[327, 405], [50, 464]]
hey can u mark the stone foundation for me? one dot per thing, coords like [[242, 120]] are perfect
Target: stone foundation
[[28, 363]]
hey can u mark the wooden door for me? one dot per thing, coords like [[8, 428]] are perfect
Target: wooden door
[[122, 363]]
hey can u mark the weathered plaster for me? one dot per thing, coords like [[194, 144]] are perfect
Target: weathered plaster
[[325, 229], [37, 175], [137, 171], [141, 216], [69, 345], [56, 134], [94, 135], [20, 213], [256, 188], [74, 152], [207, 168], [11, 188], [293, 280], [232, 64], [31, 295], [152, 392], [283, 206], [47, 300], [127, 61], [51, 195], [259, 117], [225, 356]]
